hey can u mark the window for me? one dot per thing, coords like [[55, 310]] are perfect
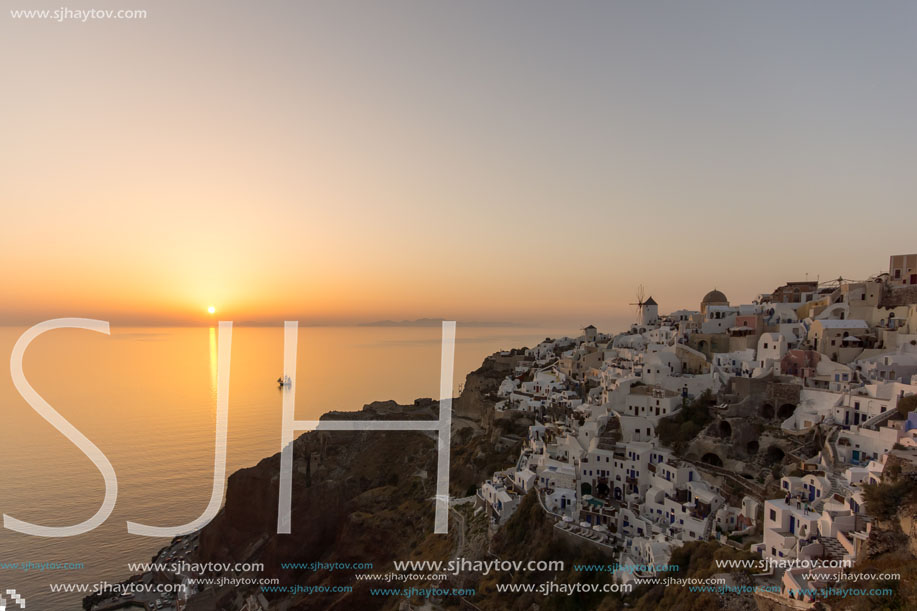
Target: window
[[774, 515]]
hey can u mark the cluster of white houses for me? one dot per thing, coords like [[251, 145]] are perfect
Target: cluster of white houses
[[597, 464]]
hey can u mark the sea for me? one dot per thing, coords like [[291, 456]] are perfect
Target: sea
[[146, 396]]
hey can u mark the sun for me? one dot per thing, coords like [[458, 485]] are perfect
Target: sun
[[211, 310]]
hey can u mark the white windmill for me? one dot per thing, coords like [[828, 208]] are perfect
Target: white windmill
[[640, 304], [647, 309]]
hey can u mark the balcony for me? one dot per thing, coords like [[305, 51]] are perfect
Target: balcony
[[679, 495]]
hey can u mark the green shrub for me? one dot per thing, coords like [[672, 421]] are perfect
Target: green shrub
[[883, 500], [907, 404], [687, 423]]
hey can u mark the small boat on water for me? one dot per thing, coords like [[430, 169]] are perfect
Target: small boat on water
[[284, 382]]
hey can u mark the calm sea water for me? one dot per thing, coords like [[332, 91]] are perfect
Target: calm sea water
[[146, 398]]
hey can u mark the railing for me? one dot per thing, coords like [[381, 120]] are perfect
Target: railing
[[575, 530], [748, 485], [880, 418], [785, 601]]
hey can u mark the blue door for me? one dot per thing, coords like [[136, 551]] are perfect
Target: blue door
[[812, 492], [856, 455], [793, 524]]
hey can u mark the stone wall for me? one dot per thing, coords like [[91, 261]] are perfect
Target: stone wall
[[780, 393], [899, 296]]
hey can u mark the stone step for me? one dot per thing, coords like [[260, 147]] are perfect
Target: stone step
[[833, 547]]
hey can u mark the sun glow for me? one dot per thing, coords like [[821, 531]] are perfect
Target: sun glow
[[211, 310]]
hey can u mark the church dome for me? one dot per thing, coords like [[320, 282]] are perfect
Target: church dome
[[715, 297]]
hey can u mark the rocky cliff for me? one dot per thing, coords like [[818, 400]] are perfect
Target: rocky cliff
[[891, 547], [357, 497]]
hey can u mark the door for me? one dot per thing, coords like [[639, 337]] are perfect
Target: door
[[793, 524], [856, 455], [812, 493]]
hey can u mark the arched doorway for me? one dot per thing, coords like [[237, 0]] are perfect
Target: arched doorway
[[586, 488], [786, 410], [767, 411], [775, 454], [725, 429], [713, 459]]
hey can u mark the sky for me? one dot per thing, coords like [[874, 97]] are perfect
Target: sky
[[531, 162]]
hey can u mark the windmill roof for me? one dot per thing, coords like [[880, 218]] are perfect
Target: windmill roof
[[650, 301]]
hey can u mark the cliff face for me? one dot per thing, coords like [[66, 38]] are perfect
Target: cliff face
[[478, 396], [357, 497], [891, 546]]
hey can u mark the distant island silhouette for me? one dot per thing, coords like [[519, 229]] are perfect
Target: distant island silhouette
[[434, 322]]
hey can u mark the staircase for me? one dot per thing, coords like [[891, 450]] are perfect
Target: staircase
[[879, 419], [833, 547], [836, 488], [836, 485], [708, 526], [828, 449]]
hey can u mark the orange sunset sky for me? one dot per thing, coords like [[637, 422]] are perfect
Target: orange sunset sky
[[532, 163]]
